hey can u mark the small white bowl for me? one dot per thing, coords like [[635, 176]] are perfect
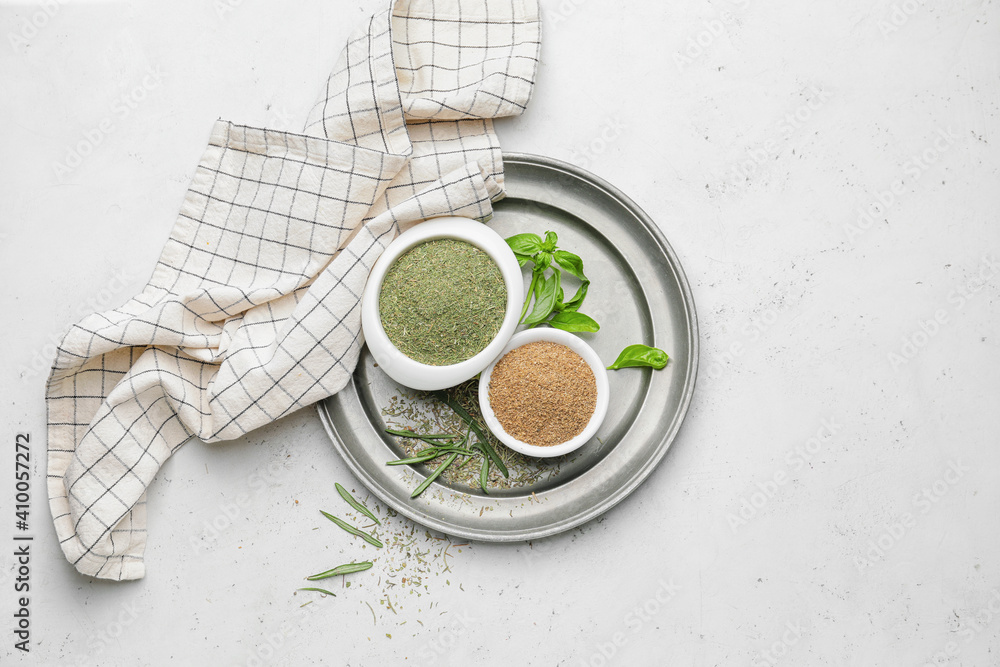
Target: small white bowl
[[412, 373], [600, 376]]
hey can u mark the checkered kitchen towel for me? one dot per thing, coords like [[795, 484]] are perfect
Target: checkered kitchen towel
[[252, 311]]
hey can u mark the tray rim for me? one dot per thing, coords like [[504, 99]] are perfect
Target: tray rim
[[661, 448]]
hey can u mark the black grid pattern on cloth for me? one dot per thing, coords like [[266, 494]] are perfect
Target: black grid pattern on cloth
[[253, 308]]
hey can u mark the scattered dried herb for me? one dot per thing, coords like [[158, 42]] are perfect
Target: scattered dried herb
[[543, 393], [352, 530], [442, 302], [410, 563], [354, 503], [349, 568]]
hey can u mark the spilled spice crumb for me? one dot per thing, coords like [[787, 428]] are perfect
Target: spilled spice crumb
[[543, 393]]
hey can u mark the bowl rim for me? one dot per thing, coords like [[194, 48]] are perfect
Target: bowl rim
[[410, 372], [588, 354]]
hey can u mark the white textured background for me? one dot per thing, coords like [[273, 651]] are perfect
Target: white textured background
[[755, 151]]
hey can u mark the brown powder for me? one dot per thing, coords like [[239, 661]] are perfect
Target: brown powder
[[543, 393]]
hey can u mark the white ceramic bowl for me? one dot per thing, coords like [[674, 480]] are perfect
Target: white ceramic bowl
[[402, 368], [576, 344]]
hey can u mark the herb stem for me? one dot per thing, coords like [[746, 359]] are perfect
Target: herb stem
[[461, 412], [484, 473], [531, 291], [429, 454], [355, 504], [349, 568], [319, 590], [421, 436], [413, 460], [427, 482], [432, 439], [352, 530]]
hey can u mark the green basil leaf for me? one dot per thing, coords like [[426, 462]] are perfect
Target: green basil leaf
[[543, 260], [546, 292], [577, 300], [525, 244], [576, 322], [640, 356], [571, 263], [550, 241], [522, 259]]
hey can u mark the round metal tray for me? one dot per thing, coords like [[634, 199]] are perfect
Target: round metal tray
[[639, 294]]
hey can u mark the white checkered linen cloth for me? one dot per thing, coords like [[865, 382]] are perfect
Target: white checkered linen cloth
[[252, 311]]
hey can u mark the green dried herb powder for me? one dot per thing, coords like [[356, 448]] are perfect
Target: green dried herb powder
[[442, 302]]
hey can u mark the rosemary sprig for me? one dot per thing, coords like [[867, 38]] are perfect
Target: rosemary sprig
[[433, 439], [403, 433], [484, 468], [319, 590], [484, 473], [467, 418], [355, 504], [429, 454], [349, 568], [423, 457], [434, 475], [352, 530]]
